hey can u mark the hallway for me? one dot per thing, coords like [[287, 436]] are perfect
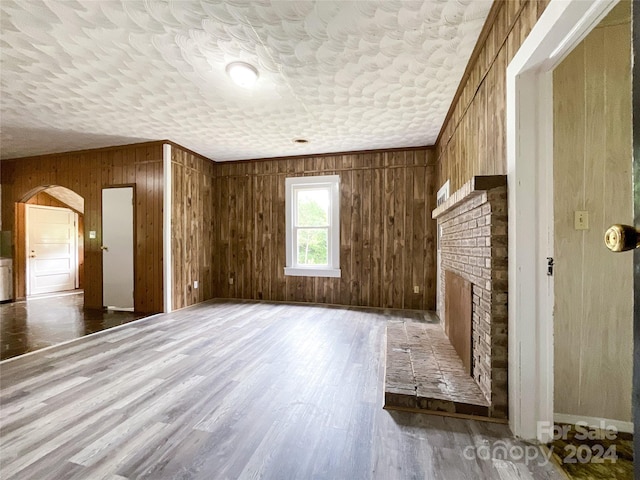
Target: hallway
[[47, 320]]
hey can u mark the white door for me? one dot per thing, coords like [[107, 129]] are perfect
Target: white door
[[117, 248], [51, 249]]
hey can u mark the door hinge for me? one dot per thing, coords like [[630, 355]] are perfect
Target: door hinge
[[550, 266]]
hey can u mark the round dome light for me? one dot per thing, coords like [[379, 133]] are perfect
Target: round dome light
[[242, 74]]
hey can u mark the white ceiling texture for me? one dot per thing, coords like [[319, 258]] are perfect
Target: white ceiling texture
[[345, 75]]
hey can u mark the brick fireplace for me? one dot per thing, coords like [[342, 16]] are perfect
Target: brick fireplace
[[472, 231]]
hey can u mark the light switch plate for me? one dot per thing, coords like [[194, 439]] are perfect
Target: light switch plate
[[92, 234], [581, 220]]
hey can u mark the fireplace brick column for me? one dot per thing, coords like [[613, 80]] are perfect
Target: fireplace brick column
[[472, 228]]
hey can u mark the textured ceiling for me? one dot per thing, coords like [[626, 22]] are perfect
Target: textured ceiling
[[346, 75]]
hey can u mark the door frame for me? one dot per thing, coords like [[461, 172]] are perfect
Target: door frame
[[529, 131], [76, 272], [135, 241], [635, 402], [167, 204]]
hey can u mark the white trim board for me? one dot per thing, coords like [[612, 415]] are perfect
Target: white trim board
[[529, 131], [167, 274], [594, 422]]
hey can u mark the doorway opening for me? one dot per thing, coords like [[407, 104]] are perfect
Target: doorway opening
[[49, 275], [530, 164], [49, 243], [592, 189]]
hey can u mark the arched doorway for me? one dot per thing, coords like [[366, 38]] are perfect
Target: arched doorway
[[49, 247], [37, 320]]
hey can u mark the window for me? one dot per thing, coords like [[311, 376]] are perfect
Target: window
[[313, 226]]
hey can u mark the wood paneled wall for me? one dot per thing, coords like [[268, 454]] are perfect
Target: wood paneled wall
[[593, 320], [192, 227], [387, 234], [472, 140], [46, 200], [86, 173]]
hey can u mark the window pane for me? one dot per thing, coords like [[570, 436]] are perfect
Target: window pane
[[313, 207], [312, 246]]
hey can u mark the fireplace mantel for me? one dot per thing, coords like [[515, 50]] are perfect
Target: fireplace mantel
[[474, 187]]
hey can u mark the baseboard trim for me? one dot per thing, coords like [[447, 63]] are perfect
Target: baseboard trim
[[594, 422]]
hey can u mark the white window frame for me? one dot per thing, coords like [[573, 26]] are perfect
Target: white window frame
[[320, 181]]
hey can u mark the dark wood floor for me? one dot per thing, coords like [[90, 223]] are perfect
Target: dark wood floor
[[47, 320], [232, 390]]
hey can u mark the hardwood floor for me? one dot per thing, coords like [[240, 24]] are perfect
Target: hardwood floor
[[45, 320], [227, 390]]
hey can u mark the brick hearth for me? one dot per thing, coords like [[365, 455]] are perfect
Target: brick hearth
[[425, 373]]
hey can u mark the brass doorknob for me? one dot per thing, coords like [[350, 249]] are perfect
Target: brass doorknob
[[106, 249], [620, 238]]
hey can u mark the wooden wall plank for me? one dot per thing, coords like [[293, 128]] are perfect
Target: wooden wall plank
[[464, 148], [345, 232], [396, 299], [195, 223], [408, 265], [386, 229], [419, 228], [86, 173], [366, 221], [19, 249], [430, 241], [387, 238]]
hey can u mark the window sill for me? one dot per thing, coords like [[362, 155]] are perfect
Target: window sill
[[311, 272]]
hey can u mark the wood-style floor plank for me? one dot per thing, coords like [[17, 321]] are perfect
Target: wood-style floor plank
[[231, 390]]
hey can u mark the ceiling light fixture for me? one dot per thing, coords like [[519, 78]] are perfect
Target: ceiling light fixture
[[242, 74]]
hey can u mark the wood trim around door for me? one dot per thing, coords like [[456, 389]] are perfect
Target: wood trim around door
[[27, 208], [635, 86]]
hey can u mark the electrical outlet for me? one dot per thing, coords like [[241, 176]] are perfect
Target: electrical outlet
[[195, 284], [581, 220], [416, 289]]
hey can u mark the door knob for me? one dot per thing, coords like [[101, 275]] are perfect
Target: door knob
[[103, 248], [620, 238]]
